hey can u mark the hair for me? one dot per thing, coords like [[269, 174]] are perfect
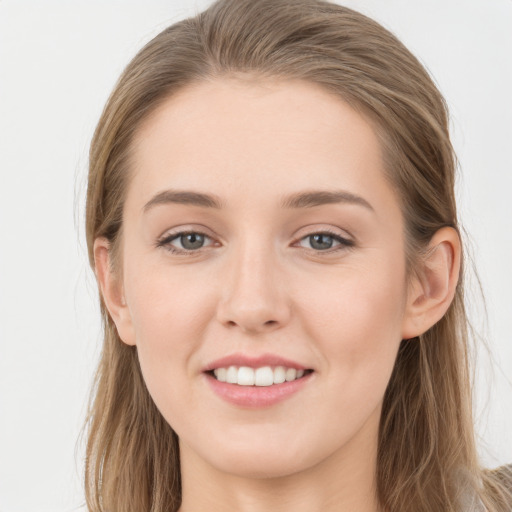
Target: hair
[[427, 458]]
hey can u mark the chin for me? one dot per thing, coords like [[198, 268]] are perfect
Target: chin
[[273, 466], [260, 461]]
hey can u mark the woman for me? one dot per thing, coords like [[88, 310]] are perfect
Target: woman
[[272, 223]]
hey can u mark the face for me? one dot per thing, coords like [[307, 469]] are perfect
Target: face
[[292, 256]]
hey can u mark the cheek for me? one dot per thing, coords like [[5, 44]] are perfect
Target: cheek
[[356, 328], [356, 321], [165, 303], [168, 334], [168, 314]]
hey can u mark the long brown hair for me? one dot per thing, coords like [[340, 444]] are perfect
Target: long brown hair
[[427, 459]]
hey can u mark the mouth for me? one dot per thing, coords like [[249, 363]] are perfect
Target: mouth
[[263, 376]]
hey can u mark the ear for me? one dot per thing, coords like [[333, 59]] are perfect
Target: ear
[[112, 291], [433, 287]]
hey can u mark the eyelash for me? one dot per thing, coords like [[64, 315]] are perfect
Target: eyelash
[[166, 241]]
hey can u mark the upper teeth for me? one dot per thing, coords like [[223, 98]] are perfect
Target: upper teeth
[[264, 376]]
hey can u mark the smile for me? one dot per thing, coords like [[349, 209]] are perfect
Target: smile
[[263, 376], [248, 394]]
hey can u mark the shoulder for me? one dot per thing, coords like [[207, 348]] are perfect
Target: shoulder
[[504, 475]]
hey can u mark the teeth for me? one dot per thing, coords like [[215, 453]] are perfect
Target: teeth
[[264, 376], [279, 374], [245, 376], [220, 373], [291, 374], [232, 375]]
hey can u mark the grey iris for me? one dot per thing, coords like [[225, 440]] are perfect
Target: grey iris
[[319, 241], [192, 241]]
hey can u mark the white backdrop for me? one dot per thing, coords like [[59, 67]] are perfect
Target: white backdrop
[[58, 63]]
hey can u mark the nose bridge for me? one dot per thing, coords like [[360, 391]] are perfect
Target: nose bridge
[[253, 296]]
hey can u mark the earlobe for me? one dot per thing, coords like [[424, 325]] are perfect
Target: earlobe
[[111, 289], [433, 288]]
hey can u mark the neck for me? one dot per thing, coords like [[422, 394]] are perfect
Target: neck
[[343, 482]]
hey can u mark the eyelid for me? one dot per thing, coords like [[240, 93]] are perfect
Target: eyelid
[[335, 232], [184, 230]]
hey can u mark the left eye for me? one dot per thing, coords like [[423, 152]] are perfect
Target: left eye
[[325, 241]]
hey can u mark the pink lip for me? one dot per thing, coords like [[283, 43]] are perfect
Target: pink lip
[[253, 362], [254, 397]]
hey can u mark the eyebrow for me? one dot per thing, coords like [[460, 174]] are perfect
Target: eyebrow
[[309, 199], [306, 199]]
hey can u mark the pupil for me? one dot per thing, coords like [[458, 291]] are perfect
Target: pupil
[[192, 241], [320, 243]]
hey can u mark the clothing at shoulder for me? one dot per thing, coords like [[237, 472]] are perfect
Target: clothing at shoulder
[[504, 474]]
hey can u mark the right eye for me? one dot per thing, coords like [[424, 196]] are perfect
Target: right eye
[[190, 241]]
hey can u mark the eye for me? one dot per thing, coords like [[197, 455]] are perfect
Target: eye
[[325, 241], [187, 241]]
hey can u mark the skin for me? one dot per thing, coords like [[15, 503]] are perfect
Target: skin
[[260, 285]]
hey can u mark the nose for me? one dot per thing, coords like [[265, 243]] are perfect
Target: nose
[[253, 297]]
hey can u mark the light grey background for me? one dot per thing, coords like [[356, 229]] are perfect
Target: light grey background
[[58, 63]]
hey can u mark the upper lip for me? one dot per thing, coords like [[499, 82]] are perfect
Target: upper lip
[[253, 362]]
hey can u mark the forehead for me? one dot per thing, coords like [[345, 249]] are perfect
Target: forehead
[[240, 138]]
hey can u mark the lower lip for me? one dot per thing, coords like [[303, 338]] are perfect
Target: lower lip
[[256, 396]]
